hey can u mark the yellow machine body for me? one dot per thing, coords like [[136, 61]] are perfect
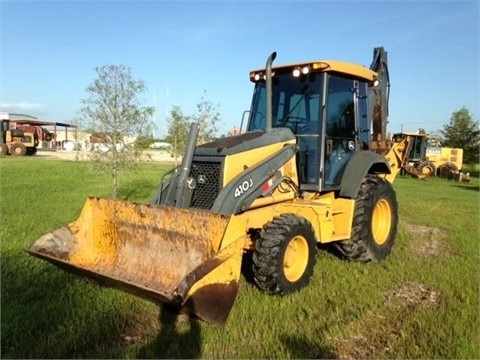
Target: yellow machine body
[[16, 142], [444, 155]]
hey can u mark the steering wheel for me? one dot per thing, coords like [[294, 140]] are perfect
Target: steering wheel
[[296, 121]]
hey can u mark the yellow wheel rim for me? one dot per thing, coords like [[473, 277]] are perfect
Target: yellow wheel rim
[[427, 170], [381, 221], [296, 258]]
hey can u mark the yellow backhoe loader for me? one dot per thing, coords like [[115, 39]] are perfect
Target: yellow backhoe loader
[[313, 166], [427, 158], [16, 142]]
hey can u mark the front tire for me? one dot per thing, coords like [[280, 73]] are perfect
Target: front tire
[[374, 225], [427, 168], [284, 256], [18, 149]]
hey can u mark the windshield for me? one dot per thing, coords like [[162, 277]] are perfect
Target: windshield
[[295, 103]]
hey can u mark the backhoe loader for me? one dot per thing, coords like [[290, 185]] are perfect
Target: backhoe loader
[[427, 158], [16, 141], [314, 165]]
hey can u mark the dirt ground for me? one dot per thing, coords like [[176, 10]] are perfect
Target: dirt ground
[[159, 156], [428, 240]]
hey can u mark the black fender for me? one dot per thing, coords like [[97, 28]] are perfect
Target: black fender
[[229, 201], [361, 164]]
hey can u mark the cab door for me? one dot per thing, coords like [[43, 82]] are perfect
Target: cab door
[[341, 135]]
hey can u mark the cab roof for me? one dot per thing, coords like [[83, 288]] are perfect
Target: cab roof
[[347, 68]]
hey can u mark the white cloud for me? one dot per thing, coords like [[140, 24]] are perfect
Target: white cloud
[[23, 107]]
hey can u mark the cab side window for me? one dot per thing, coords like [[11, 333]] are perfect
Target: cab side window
[[340, 111], [340, 136]]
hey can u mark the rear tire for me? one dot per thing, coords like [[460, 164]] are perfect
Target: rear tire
[[284, 256], [374, 225], [18, 149], [3, 149], [447, 171]]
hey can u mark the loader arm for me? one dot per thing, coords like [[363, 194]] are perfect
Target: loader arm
[[397, 156]]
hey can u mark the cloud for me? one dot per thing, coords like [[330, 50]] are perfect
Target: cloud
[[23, 107]]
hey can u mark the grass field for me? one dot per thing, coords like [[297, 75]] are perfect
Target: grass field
[[423, 302]]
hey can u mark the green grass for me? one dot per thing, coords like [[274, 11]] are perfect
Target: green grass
[[348, 310]]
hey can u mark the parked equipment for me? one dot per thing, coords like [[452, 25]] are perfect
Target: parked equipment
[[448, 161], [17, 142], [427, 158], [416, 163], [314, 166]]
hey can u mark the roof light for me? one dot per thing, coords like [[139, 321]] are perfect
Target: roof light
[[305, 70], [296, 72], [320, 66]]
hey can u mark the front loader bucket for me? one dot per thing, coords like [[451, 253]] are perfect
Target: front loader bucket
[[160, 253]]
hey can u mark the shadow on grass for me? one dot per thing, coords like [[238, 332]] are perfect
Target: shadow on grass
[[299, 348], [179, 337], [468, 187], [48, 313]]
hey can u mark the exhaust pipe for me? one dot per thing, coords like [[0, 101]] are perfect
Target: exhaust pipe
[[184, 189], [268, 112]]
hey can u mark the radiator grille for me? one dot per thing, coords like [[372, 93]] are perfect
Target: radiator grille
[[207, 177]]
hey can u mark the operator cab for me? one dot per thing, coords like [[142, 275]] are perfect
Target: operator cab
[[311, 102]]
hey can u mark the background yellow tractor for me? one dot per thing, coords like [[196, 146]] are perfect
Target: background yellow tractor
[[313, 166], [428, 158], [16, 142]]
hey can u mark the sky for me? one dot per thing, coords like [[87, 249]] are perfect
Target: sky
[[185, 50]]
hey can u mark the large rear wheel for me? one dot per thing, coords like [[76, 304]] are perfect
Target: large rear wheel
[[284, 255], [18, 149], [375, 222], [31, 151], [448, 171]]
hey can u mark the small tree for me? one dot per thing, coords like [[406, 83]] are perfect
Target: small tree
[[463, 132], [208, 117], [113, 108], [144, 142], [177, 133]]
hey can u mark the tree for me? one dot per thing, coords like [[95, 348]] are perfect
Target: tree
[[144, 142], [463, 132], [113, 108], [208, 117], [177, 133]]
